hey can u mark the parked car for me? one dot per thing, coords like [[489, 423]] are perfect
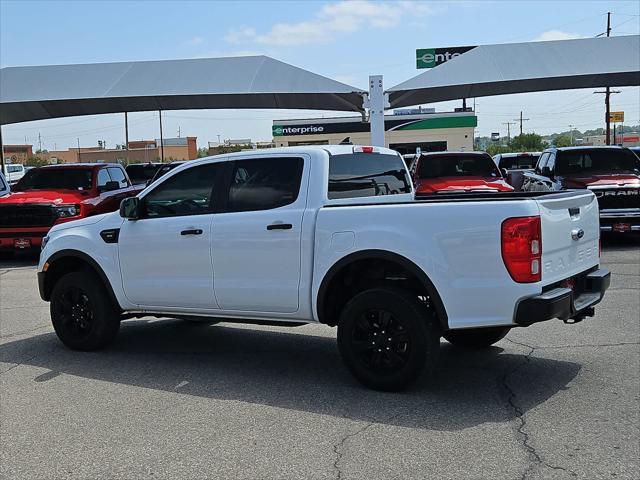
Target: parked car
[[4, 185], [635, 150], [164, 169], [446, 172], [513, 166], [612, 173], [13, 172], [329, 235], [142, 173], [51, 195]]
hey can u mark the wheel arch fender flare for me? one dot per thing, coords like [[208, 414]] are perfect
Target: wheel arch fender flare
[[45, 289], [373, 254]]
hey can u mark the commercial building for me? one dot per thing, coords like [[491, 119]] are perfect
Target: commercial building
[[17, 153], [182, 148], [405, 131], [629, 139]]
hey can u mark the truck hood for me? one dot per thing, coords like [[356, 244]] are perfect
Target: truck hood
[[56, 197], [81, 222], [445, 184], [604, 179]]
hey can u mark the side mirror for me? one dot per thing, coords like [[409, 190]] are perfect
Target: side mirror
[[546, 172], [130, 208], [504, 172], [110, 186]]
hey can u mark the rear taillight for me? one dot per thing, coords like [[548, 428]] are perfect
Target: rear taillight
[[521, 241]]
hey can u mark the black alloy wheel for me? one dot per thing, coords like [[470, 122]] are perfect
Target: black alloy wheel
[[387, 337], [82, 313]]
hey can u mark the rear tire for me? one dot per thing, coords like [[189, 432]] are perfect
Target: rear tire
[[475, 338], [82, 313], [387, 338]]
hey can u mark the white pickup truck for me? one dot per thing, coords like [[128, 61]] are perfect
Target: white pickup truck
[[329, 235]]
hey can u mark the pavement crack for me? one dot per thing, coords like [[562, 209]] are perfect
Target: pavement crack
[[337, 448], [525, 439]]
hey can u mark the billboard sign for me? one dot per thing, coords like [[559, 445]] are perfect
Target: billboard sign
[[616, 117], [432, 57]]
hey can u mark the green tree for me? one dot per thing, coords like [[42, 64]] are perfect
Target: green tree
[[35, 162], [527, 142], [563, 141], [203, 152]]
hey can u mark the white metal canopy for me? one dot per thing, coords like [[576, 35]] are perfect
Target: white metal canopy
[[41, 92], [526, 67]]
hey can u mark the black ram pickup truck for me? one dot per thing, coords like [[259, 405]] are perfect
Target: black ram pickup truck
[[611, 173]]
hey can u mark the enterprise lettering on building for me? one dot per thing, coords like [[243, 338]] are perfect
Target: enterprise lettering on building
[[279, 130]]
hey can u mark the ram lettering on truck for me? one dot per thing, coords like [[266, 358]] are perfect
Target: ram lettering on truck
[[329, 235]]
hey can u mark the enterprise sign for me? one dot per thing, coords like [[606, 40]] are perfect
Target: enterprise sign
[[432, 57]]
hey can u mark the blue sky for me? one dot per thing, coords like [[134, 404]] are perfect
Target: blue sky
[[343, 40]]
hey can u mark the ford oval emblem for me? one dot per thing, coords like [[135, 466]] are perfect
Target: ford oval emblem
[[577, 233]]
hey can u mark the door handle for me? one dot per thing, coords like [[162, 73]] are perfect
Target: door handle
[[280, 226], [194, 231]]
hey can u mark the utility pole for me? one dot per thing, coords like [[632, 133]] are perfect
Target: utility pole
[[39, 143], [78, 138], [508, 124], [571, 133], [521, 120], [178, 131], [607, 95]]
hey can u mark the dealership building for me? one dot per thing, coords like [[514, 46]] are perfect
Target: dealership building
[[405, 131]]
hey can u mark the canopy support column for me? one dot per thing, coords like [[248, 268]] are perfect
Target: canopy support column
[[161, 139], [126, 135], [1, 152], [377, 103]]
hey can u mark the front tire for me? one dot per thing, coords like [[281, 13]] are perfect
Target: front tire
[[387, 337], [82, 314], [475, 338]]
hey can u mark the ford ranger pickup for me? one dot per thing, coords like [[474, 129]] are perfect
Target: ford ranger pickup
[[51, 195], [330, 235], [611, 173]]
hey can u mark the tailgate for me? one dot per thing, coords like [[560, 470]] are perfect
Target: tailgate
[[570, 234]]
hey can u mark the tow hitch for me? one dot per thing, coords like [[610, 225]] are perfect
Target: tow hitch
[[587, 312]]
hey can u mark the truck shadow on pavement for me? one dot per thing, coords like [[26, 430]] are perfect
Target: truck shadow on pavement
[[301, 372]]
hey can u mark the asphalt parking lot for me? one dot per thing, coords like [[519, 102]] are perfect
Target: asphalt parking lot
[[176, 400]]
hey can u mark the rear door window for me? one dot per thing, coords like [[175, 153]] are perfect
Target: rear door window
[[264, 183], [367, 175]]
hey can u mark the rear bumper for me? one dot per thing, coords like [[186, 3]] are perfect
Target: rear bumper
[[611, 217], [561, 302]]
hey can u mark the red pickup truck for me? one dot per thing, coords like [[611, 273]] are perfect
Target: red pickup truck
[[449, 172], [47, 196]]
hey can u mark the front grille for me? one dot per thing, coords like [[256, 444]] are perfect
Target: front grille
[[618, 198], [27, 215]]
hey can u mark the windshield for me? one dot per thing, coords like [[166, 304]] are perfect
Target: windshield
[[142, 172], [55, 179], [457, 166], [3, 186], [164, 169], [596, 160], [519, 161]]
